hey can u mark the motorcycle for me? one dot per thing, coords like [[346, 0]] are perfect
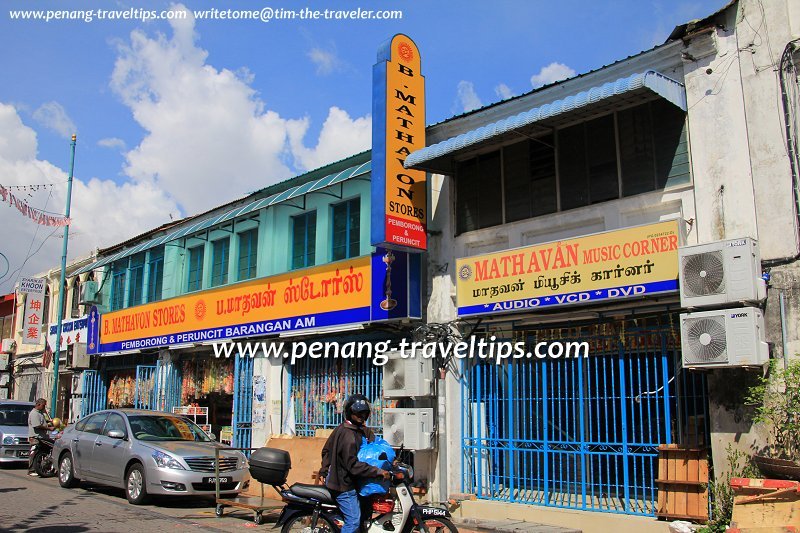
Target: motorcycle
[[42, 453], [312, 509]]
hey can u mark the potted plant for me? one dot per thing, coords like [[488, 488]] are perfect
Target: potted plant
[[776, 400]]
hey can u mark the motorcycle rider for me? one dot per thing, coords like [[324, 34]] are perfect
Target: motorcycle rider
[[38, 427], [341, 468]]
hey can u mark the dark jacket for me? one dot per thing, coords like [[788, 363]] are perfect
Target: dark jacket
[[340, 465]]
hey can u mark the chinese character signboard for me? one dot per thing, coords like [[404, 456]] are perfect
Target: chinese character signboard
[[632, 262], [72, 331], [34, 290], [399, 196]]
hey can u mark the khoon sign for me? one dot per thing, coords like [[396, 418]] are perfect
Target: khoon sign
[[399, 196]]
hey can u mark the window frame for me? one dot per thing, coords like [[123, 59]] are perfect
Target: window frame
[[220, 277], [155, 280], [200, 249], [309, 242], [251, 266], [348, 232]]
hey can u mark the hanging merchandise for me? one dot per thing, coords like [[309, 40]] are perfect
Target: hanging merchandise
[[202, 377], [122, 390]]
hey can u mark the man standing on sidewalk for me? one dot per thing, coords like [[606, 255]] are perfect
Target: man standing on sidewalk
[[38, 426]]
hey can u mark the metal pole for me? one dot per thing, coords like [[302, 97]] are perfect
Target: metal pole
[[61, 291]]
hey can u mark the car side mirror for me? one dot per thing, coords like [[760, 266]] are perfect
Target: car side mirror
[[115, 434]]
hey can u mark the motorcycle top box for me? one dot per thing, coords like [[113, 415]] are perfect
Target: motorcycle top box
[[270, 466]]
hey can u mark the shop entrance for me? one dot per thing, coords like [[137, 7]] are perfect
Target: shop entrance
[[581, 433], [207, 391]]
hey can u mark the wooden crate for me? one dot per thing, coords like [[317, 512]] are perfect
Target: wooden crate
[[682, 483]]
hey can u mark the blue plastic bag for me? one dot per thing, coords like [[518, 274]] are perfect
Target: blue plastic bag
[[380, 454]]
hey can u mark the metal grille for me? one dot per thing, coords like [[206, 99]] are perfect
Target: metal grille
[[94, 392], [206, 464], [242, 402], [581, 433], [146, 393], [321, 386], [168, 386]]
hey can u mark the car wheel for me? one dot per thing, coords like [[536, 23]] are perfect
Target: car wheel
[[135, 485], [66, 472]]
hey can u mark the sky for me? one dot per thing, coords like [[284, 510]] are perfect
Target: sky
[[174, 117]]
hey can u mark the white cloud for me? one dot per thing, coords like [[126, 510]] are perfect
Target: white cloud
[[467, 97], [112, 142], [340, 137], [552, 73], [209, 136], [325, 60], [52, 115], [97, 218], [503, 91]]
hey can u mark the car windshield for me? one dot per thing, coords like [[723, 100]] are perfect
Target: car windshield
[[165, 427], [14, 415]]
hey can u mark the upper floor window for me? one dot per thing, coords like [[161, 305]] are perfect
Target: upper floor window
[[136, 276], [220, 256], [346, 229], [633, 151], [119, 277], [304, 239], [195, 268], [248, 254], [76, 298], [46, 306], [155, 274]]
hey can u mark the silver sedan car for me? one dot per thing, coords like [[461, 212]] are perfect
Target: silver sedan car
[[146, 453]]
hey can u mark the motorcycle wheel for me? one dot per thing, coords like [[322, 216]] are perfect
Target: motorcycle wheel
[[43, 465], [436, 525], [302, 524]]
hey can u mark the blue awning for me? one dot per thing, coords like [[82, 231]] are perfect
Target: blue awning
[[638, 87], [241, 210]]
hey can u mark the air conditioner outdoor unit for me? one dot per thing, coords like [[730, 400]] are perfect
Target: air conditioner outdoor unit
[[77, 356], [89, 293], [724, 338], [412, 428], [4, 360], [410, 377], [720, 273], [9, 346]]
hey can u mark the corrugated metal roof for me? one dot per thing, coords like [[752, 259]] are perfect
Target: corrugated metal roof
[[651, 80], [305, 188]]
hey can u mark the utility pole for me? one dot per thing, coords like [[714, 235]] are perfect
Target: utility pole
[[61, 291]]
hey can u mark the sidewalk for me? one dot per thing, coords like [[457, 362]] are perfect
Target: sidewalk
[[467, 525]]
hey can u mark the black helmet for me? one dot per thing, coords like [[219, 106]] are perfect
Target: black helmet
[[357, 404]]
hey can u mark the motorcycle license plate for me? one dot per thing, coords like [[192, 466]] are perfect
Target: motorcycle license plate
[[23, 453], [214, 480]]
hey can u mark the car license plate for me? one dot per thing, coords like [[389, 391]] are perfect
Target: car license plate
[[214, 480], [23, 453]]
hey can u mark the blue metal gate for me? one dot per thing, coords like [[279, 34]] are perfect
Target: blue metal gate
[[94, 392], [242, 402], [168, 386], [580, 433], [145, 395], [320, 387]]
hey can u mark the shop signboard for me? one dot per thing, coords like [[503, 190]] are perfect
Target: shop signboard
[[629, 263], [323, 296], [73, 331], [34, 289], [399, 196]]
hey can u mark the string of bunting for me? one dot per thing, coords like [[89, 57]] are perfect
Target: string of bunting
[[34, 214]]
